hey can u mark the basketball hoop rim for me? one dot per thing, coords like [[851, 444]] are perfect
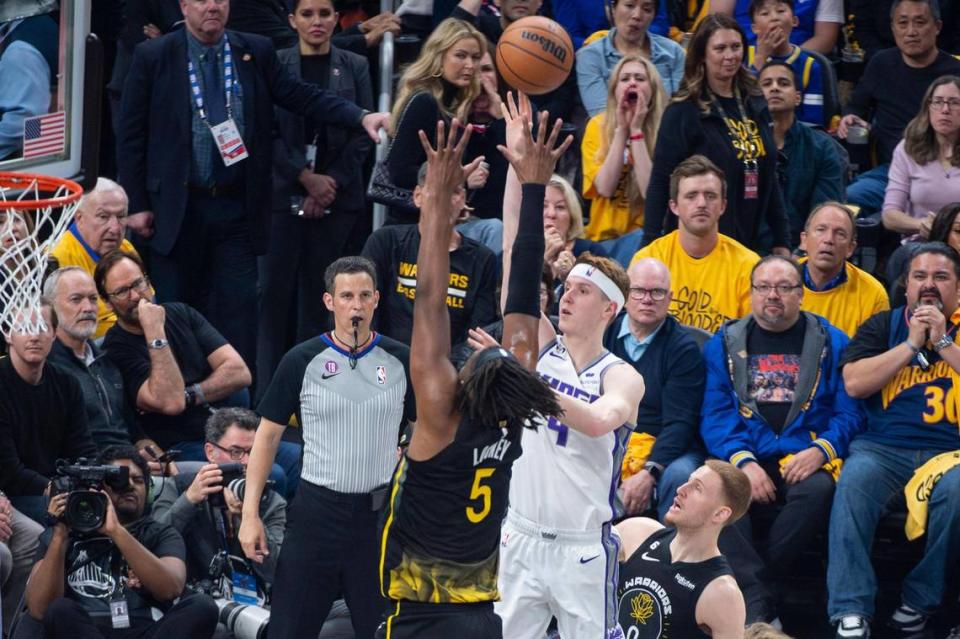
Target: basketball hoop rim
[[44, 183]]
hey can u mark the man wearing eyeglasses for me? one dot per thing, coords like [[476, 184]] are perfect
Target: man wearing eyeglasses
[[174, 364], [658, 460], [776, 407], [229, 440]]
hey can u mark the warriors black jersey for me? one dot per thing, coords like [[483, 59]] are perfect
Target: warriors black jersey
[[442, 530], [658, 597]]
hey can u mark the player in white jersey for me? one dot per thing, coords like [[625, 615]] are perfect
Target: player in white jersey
[[558, 556]]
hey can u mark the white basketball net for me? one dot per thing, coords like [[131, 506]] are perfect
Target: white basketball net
[[24, 251]]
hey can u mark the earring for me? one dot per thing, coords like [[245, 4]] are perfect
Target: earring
[[437, 74]]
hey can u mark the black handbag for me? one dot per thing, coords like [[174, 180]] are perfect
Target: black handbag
[[382, 188]]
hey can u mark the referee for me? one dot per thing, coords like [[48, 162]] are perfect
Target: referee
[[351, 393]]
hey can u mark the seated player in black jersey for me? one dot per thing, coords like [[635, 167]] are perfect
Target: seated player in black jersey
[[673, 581], [441, 535]]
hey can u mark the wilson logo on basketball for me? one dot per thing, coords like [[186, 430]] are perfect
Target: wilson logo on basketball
[[547, 45]]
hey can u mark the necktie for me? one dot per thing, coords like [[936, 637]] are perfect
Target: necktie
[[213, 97]]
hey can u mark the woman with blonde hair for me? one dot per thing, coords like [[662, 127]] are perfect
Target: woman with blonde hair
[[925, 170], [618, 146], [719, 113], [439, 85], [563, 228]]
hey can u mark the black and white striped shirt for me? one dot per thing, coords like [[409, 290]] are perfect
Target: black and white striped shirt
[[351, 417]]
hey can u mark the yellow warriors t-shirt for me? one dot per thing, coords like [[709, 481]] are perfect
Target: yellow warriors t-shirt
[[610, 217], [707, 291], [850, 304]]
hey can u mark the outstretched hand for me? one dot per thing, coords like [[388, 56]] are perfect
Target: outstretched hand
[[445, 174], [533, 159]]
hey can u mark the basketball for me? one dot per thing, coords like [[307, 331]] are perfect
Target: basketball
[[534, 55]]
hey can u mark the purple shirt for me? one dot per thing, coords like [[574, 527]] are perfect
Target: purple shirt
[[918, 189]]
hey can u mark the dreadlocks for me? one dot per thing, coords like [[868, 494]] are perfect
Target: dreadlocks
[[501, 389]]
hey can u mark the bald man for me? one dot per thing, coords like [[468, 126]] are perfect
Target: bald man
[[664, 449], [97, 229]]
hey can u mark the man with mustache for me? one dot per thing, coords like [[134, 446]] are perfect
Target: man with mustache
[[902, 363], [97, 229], [776, 407], [74, 297]]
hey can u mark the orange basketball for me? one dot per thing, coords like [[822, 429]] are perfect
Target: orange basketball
[[534, 55]]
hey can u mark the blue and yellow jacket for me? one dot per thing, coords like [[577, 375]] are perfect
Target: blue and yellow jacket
[[822, 414]]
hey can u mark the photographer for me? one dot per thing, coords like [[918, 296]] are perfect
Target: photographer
[[113, 581], [204, 504]]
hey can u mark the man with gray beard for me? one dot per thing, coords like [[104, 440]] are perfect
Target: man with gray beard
[[74, 297]]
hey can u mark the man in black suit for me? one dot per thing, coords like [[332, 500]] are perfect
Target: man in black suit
[[206, 207]]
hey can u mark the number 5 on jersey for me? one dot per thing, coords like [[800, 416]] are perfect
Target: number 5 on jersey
[[481, 492]]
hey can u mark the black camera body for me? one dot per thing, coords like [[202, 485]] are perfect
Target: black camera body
[[86, 507], [232, 475]]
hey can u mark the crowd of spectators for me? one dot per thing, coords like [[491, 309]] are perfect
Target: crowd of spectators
[[216, 289]]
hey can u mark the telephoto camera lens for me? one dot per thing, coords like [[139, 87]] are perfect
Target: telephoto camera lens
[[245, 622]]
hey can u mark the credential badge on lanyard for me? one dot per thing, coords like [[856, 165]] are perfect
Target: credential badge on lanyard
[[225, 134]]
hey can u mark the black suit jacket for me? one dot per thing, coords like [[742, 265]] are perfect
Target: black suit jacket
[[346, 150], [154, 136]]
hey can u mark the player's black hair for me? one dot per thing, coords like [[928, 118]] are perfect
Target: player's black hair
[[500, 389]]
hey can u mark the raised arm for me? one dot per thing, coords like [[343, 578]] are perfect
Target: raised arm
[[616, 407], [532, 161], [515, 113], [434, 377]]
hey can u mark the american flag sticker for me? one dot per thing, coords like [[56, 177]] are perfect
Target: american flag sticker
[[44, 134], [381, 375]]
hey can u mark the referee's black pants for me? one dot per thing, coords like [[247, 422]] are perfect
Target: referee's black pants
[[330, 547]]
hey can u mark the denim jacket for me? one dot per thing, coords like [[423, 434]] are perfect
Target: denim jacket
[[595, 63], [822, 414]]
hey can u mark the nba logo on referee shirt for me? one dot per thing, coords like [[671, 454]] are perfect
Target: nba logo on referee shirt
[[381, 375], [331, 367]]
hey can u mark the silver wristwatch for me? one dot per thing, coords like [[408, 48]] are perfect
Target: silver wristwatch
[[157, 344], [942, 343]]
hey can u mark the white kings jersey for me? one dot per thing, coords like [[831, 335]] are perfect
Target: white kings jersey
[[565, 479]]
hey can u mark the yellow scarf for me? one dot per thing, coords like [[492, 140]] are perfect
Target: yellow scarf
[[920, 487]]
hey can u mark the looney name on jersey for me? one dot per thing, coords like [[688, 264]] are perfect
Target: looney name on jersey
[[491, 451], [456, 291]]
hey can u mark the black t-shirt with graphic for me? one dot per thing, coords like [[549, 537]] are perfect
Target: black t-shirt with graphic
[[773, 369], [471, 293], [192, 339], [96, 572]]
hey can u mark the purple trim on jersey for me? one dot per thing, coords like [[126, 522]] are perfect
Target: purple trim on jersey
[[620, 436], [611, 548], [374, 340]]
